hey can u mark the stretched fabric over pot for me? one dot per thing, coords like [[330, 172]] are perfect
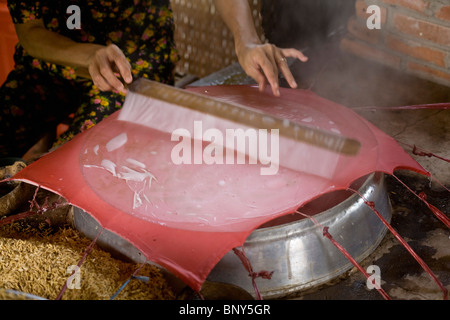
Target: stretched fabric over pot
[[186, 217]]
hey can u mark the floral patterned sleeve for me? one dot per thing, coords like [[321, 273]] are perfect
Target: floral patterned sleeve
[[24, 11]]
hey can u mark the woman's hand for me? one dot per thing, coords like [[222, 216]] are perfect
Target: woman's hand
[[91, 60], [260, 61], [263, 62], [105, 65]]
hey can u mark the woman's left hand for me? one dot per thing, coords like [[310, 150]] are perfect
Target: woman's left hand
[[263, 62]]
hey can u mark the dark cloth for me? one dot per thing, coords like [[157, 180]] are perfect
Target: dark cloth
[[38, 95]]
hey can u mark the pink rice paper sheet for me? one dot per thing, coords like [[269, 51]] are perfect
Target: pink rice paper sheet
[[186, 217]]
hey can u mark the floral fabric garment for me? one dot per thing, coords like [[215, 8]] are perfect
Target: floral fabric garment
[[38, 95]]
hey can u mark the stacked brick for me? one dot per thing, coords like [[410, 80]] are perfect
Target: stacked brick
[[414, 36]]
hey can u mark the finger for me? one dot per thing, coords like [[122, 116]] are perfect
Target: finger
[[122, 64], [106, 71], [259, 77], [294, 53], [269, 67], [284, 68], [98, 79]]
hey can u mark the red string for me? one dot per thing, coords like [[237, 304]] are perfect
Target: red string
[[404, 243], [16, 217], [126, 282], [34, 209], [23, 215], [423, 153], [346, 254], [261, 274], [86, 253], [441, 106], [439, 183], [438, 213]]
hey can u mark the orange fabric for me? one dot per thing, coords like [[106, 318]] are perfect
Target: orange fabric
[[8, 40]]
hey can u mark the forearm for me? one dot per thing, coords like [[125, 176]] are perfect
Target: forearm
[[52, 47], [238, 17], [260, 61], [98, 62]]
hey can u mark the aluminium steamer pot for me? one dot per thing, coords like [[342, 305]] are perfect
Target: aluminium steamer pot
[[297, 252], [293, 248]]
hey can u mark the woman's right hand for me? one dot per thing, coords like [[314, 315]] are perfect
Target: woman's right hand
[[103, 66], [98, 62]]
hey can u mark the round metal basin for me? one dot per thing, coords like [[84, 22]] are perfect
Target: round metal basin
[[296, 250], [291, 246]]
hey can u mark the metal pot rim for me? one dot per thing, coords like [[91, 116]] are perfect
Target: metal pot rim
[[323, 218]]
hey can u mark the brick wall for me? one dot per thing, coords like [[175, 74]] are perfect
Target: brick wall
[[204, 42], [414, 36]]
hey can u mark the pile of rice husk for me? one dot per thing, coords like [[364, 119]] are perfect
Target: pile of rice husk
[[35, 261]]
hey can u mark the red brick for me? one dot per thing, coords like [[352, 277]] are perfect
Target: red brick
[[416, 50], [368, 52], [361, 11], [359, 30], [427, 70], [417, 5], [443, 13], [421, 29]]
